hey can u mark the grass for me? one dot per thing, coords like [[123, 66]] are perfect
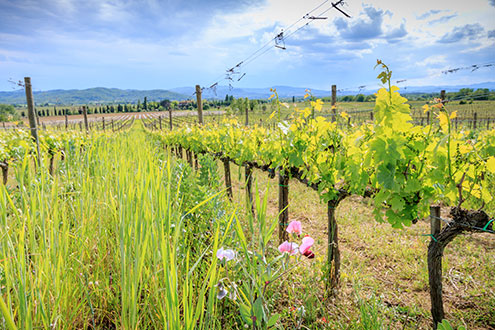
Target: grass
[[122, 236], [100, 244]]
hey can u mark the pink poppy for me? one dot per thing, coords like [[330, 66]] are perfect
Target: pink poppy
[[290, 248], [294, 227]]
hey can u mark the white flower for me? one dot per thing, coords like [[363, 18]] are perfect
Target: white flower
[[227, 254], [222, 293]]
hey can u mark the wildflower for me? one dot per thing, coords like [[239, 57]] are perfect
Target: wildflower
[[290, 248], [294, 227], [222, 292], [305, 248], [227, 254]]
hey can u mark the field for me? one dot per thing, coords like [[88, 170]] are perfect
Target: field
[[121, 231]]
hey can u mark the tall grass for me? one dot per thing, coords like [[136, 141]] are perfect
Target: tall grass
[[102, 243]]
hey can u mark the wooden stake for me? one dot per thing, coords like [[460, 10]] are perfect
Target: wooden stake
[[334, 101], [475, 119], [5, 171], [85, 114], [103, 122], [247, 115], [228, 181], [248, 176], [32, 115], [283, 210], [200, 104], [170, 118], [435, 220], [333, 250], [66, 120], [435, 269]]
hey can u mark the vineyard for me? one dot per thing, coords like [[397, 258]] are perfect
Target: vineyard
[[296, 221]]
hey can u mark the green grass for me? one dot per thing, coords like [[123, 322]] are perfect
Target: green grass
[[101, 244], [122, 236]]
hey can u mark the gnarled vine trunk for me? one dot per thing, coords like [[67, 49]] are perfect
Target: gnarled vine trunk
[[462, 221], [5, 171]]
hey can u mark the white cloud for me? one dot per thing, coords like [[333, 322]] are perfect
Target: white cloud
[[433, 60]]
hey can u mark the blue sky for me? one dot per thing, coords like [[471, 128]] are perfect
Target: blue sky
[[148, 44]]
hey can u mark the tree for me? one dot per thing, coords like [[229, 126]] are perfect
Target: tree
[[370, 98], [7, 112], [145, 103], [166, 104], [359, 98], [252, 105]]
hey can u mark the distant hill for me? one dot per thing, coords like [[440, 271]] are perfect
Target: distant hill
[[115, 95], [252, 93], [288, 92], [90, 95]]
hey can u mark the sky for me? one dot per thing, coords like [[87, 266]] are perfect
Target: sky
[[153, 44]]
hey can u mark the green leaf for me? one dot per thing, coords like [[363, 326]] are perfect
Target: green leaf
[[385, 175], [246, 313], [396, 203], [273, 320], [258, 310]]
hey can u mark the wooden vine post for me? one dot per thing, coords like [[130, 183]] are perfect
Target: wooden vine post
[[160, 122], [475, 119], [228, 181], [103, 122], [334, 101], [462, 221], [33, 125], [333, 260], [85, 114], [283, 203], [66, 119], [248, 176], [200, 104], [5, 171], [113, 130], [170, 117], [247, 115]]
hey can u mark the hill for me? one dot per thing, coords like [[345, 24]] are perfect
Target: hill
[[90, 95], [115, 95]]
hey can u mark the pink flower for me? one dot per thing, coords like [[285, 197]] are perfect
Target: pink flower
[[305, 248], [290, 248], [294, 227]]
